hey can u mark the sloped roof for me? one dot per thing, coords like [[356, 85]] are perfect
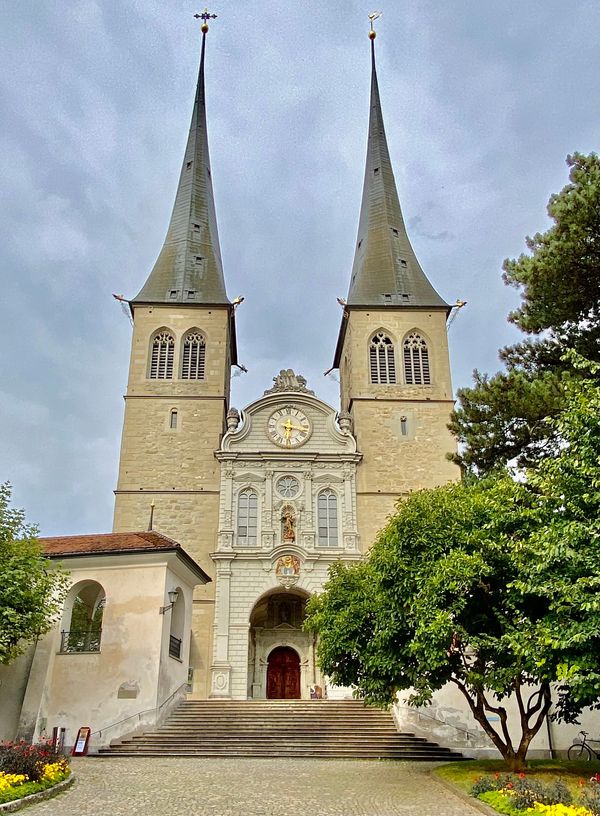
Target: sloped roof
[[115, 543]]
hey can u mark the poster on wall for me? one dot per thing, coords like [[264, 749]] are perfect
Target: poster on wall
[[81, 743]]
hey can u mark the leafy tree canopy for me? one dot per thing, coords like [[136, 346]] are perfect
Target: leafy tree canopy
[[492, 586], [31, 588], [504, 417]]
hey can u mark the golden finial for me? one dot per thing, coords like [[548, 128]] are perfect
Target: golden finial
[[205, 17], [374, 15]]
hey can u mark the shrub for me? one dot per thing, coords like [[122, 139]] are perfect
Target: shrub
[[590, 797], [30, 760]]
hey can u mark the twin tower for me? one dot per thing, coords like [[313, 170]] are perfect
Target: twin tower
[[395, 388]]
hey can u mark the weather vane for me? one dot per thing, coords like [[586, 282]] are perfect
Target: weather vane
[[205, 17], [374, 15]]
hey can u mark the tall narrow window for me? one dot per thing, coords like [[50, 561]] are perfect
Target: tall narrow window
[[416, 360], [194, 357], [161, 360], [173, 419], [327, 519], [381, 359], [247, 518]]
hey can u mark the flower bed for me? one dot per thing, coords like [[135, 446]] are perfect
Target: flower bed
[[27, 769], [515, 795]]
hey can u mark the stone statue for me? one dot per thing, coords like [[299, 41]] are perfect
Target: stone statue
[[286, 380], [288, 519]]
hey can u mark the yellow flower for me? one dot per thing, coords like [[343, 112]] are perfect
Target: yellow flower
[[11, 780]]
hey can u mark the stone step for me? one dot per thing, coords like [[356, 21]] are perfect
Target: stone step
[[281, 728]]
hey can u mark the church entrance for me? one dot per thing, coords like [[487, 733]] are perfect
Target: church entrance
[[281, 655], [283, 674]]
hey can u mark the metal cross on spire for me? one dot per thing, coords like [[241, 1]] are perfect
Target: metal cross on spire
[[205, 16], [374, 15]]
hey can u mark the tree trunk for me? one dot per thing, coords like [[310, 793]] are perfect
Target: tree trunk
[[515, 759]]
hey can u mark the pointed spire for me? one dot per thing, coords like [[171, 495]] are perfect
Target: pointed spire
[[386, 270], [189, 267]]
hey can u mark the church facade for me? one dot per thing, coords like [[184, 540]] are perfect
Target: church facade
[[267, 499], [249, 508]]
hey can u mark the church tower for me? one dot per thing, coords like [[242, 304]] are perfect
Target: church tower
[[392, 349], [177, 396]]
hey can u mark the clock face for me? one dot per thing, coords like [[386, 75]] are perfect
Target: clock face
[[288, 427]]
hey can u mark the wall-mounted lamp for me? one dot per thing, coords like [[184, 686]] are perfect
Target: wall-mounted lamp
[[173, 595]]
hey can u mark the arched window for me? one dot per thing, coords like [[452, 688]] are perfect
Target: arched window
[[416, 360], [193, 357], [83, 619], [327, 519], [381, 359], [161, 359], [247, 518], [173, 419]]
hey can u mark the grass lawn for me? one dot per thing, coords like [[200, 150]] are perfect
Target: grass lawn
[[464, 774]]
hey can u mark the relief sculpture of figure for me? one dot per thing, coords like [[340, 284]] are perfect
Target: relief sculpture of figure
[[289, 524]]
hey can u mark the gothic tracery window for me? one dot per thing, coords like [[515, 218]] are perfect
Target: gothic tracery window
[[381, 360], [416, 360], [327, 519], [193, 357], [161, 358], [247, 518]]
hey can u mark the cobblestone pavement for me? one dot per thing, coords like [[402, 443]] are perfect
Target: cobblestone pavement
[[252, 787]]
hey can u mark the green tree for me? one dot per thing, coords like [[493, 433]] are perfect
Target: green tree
[[505, 417], [490, 585], [32, 589]]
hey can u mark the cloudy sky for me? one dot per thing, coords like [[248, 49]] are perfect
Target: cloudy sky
[[482, 102]]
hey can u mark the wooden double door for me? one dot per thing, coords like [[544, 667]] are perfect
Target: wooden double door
[[283, 674]]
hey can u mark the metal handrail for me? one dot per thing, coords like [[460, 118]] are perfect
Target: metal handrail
[[438, 719], [139, 713]]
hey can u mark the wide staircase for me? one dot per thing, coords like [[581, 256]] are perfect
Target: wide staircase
[[280, 728]]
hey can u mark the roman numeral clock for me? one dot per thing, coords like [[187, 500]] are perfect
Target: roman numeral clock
[[288, 427]]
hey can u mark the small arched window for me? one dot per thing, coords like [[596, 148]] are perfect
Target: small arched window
[[83, 622], [161, 359], [381, 360], [173, 419], [193, 358], [247, 518], [416, 360], [327, 519]]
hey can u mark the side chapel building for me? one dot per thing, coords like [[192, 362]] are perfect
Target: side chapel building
[[250, 508]]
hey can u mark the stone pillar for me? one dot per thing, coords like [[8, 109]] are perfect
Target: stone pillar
[[221, 668]]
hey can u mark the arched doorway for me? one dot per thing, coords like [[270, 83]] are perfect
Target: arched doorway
[[281, 655], [283, 674]]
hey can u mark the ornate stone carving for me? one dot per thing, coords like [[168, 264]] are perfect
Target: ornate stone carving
[[227, 519], [225, 541], [268, 540], [288, 521], [287, 570], [345, 422], [286, 380], [233, 419]]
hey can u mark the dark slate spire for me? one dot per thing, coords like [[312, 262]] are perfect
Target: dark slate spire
[[386, 270], [189, 267]]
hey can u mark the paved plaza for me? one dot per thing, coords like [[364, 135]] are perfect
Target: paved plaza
[[252, 787]]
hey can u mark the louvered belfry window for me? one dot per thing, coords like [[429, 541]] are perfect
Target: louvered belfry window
[[382, 360], [416, 360], [327, 519], [194, 357], [161, 362]]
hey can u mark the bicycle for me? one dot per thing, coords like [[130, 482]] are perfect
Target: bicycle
[[581, 748]]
